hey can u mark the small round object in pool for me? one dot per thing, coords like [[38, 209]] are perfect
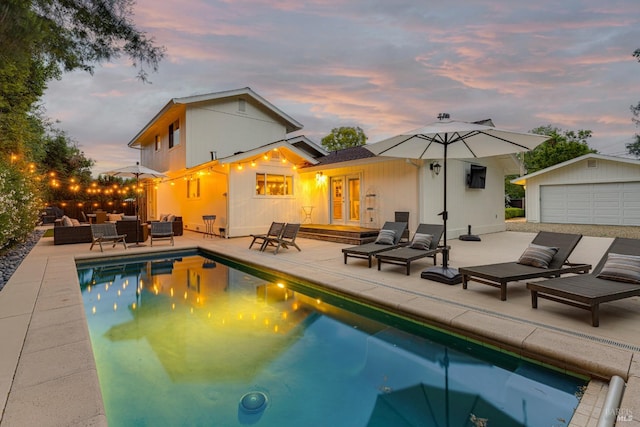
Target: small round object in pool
[[254, 401]]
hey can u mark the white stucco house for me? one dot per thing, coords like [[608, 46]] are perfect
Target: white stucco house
[[590, 189], [233, 154]]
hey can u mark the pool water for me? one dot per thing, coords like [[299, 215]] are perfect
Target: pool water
[[190, 341]]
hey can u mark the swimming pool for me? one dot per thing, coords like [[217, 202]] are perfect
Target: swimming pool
[[188, 340]]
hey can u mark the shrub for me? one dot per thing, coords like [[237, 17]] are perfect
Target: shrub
[[513, 213], [19, 204]]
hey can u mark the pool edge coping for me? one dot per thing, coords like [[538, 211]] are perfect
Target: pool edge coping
[[29, 397]]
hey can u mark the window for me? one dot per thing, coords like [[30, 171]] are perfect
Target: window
[[242, 105], [157, 143], [193, 188], [174, 134], [274, 185]]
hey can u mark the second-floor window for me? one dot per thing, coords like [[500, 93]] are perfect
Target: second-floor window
[[174, 134], [157, 145]]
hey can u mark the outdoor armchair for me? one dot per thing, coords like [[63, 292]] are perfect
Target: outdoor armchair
[[286, 239], [498, 275], [617, 276], [275, 230], [106, 232], [161, 231]]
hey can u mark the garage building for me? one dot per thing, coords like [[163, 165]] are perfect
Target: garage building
[[590, 189]]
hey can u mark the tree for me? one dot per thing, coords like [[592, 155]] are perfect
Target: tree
[[633, 148], [563, 145], [68, 35], [344, 137], [39, 40]]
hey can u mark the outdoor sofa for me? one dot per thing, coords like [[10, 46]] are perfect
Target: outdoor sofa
[[69, 234], [420, 247], [128, 227], [528, 266], [615, 277]]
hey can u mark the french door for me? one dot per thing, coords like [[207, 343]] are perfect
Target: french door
[[345, 200]]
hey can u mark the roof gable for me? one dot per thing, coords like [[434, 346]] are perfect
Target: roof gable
[[523, 179], [247, 155], [290, 123]]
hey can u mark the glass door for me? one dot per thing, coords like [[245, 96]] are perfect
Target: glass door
[[337, 200], [345, 200], [354, 199]]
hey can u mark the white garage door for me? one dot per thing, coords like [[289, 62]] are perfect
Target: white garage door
[[608, 204]]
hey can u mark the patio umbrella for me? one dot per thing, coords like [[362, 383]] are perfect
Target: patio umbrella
[[138, 172], [453, 139], [425, 405]]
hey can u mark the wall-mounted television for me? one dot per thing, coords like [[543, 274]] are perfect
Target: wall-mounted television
[[477, 176]]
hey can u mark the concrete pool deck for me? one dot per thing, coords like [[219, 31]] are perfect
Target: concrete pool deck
[[48, 374]]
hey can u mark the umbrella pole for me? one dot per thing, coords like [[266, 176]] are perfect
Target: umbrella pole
[[444, 274], [137, 212]]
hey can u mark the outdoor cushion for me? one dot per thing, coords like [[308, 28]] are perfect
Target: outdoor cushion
[[66, 221], [537, 256], [128, 218], [386, 237], [621, 268], [114, 217], [421, 241], [74, 222]]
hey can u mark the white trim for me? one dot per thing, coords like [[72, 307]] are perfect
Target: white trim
[[522, 180]]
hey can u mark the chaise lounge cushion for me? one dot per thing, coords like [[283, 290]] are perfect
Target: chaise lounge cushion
[[538, 256], [386, 237], [421, 241], [621, 268]]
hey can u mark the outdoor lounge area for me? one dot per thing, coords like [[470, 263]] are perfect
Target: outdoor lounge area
[[42, 319]]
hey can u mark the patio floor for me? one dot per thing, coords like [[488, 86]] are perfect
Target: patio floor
[[48, 375]]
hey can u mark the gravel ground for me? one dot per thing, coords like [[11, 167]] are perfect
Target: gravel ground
[[586, 230], [11, 259]]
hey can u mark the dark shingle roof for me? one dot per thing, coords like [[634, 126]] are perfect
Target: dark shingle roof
[[345, 155]]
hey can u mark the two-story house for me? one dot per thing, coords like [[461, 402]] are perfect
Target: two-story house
[[230, 154]]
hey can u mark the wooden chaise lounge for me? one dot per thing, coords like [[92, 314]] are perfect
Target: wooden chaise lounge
[[275, 231], [285, 240], [368, 250], [404, 255], [588, 291], [498, 275]]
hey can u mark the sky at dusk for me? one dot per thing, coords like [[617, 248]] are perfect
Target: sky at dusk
[[386, 66]]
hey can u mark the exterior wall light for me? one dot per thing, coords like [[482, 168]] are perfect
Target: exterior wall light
[[435, 167]]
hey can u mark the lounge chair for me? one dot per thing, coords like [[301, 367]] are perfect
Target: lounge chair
[[161, 231], [286, 239], [403, 217], [106, 232], [588, 291], [404, 255], [368, 250], [498, 275], [275, 230]]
